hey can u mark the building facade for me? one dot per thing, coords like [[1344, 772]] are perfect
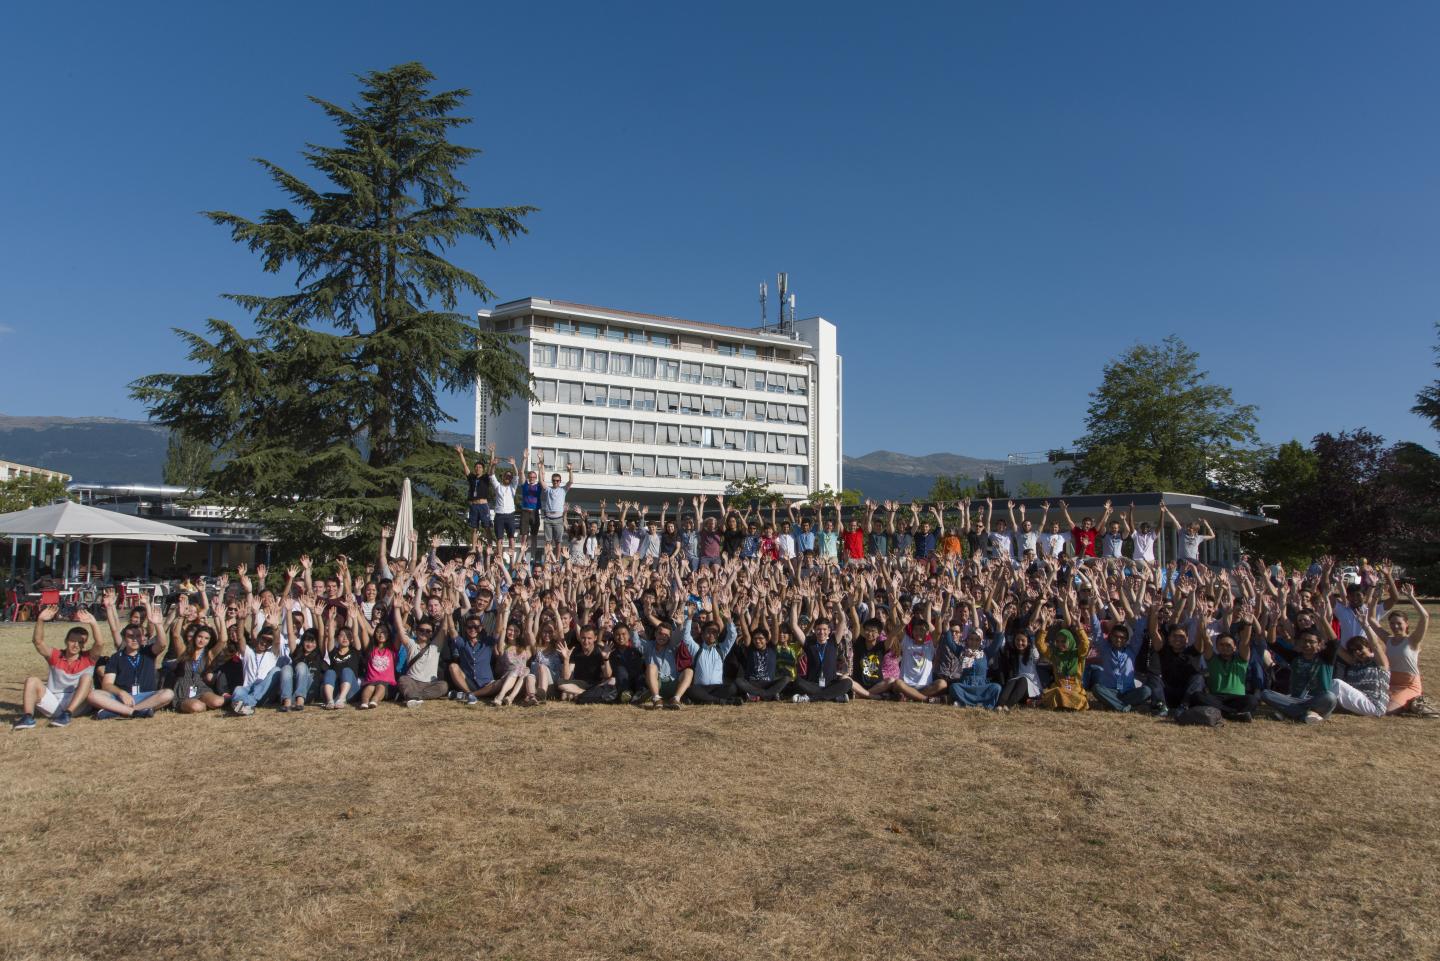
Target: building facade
[[646, 406], [9, 470]]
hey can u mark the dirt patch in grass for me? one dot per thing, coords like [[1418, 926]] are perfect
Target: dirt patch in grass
[[772, 831]]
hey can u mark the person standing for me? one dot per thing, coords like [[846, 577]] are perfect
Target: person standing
[[552, 506], [478, 497]]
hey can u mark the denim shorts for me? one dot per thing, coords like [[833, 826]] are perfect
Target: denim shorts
[[479, 515]]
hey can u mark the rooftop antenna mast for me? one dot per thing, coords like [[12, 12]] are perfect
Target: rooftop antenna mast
[[763, 292], [782, 284]]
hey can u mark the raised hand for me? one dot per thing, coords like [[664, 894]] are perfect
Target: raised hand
[[305, 561], [84, 616]]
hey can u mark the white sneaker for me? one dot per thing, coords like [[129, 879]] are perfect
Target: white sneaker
[[414, 702], [1312, 718], [800, 698]]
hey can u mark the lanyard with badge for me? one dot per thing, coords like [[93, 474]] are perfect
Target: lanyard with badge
[[134, 663]]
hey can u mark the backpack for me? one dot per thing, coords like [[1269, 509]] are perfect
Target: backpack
[[1200, 716]]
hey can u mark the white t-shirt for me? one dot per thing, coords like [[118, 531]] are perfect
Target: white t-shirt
[[504, 499], [1110, 544], [785, 543], [1028, 540], [1190, 545], [1000, 545], [917, 662], [258, 666], [1053, 545], [1143, 546]]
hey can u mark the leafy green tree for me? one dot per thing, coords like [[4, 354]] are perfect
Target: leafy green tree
[[188, 461], [1289, 476], [1427, 402], [30, 490], [1155, 423], [753, 489], [318, 416], [1033, 489], [952, 488], [828, 496]]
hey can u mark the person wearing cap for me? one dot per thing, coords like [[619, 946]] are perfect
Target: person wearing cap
[[68, 683]]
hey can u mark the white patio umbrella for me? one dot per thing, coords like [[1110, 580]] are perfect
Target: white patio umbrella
[[401, 543], [69, 521]]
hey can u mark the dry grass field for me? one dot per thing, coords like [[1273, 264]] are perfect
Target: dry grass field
[[775, 831]]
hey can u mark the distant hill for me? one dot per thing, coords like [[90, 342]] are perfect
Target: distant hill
[[106, 450], [887, 475], [99, 450]]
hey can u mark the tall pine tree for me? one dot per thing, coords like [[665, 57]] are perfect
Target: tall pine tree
[[318, 417]]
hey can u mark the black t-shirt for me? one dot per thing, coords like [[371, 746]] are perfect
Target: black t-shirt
[[338, 661], [134, 671], [589, 668], [1176, 670], [865, 661], [732, 541], [479, 487]]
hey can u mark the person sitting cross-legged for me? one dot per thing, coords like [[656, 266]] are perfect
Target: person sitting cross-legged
[[130, 687], [717, 637], [69, 682]]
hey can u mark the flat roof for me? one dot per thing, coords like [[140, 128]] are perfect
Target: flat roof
[[566, 307]]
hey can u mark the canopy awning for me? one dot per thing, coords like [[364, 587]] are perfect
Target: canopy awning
[[71, 521]]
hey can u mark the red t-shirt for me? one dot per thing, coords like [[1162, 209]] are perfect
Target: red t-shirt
[[1084, 541], [855, 543]]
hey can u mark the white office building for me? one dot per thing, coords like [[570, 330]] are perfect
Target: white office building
[[647, 407]]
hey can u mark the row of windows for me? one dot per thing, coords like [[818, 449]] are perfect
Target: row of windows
[[667, 402], [685, 468], [657, 368], [680, 435]]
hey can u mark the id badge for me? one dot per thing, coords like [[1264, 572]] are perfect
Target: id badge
[[192, 691], [134, 689]]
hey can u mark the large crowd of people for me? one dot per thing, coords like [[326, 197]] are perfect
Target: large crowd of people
[[737, 604]]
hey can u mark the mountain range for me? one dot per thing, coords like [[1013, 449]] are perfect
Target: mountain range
[[107, 450]]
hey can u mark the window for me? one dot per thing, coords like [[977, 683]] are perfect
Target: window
[[644, 400], [669, 402], [801, 443], [543, 425], [692, 436], [775, 473], [734, 470], [734, 439], [775, 412], [712, 375], [644, 434], [592, 463], [735, 377], [542, 355], [757, 379], [660, 340], [595, 428], [725, 349], [545, 390], [619, 463], [571, 358], [620, 397], [616, 333], [689, 403], [772, 443], [734, 409], [775, 383], [754, 440], [567, 392], [690, 373], [747, 351], [564, 327], [797, 384], [597, 361], [709, 437], [645, 367], [714, 407], [644, 465], [690, 467], [588, 330], [667, 467], [797, 474], [567, 426], [754, 410], [619, 431], [712, 470], [669, 370], [621, 363], [563, 457], [797, 414], [672, 434], [596, 395]]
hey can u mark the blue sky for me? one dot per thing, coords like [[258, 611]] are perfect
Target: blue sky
[[989, 199]]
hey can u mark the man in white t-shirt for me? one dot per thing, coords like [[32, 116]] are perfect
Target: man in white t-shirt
[[1142, 538], [503, 486]]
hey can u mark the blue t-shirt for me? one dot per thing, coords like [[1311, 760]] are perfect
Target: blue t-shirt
[[530, 497]]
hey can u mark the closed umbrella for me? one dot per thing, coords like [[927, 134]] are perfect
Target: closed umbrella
[[402, 544]]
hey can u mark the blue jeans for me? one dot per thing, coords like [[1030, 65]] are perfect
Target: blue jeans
[[296, 681], [1296, 708], [346, 676], [253, 694], [1121, 700]]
